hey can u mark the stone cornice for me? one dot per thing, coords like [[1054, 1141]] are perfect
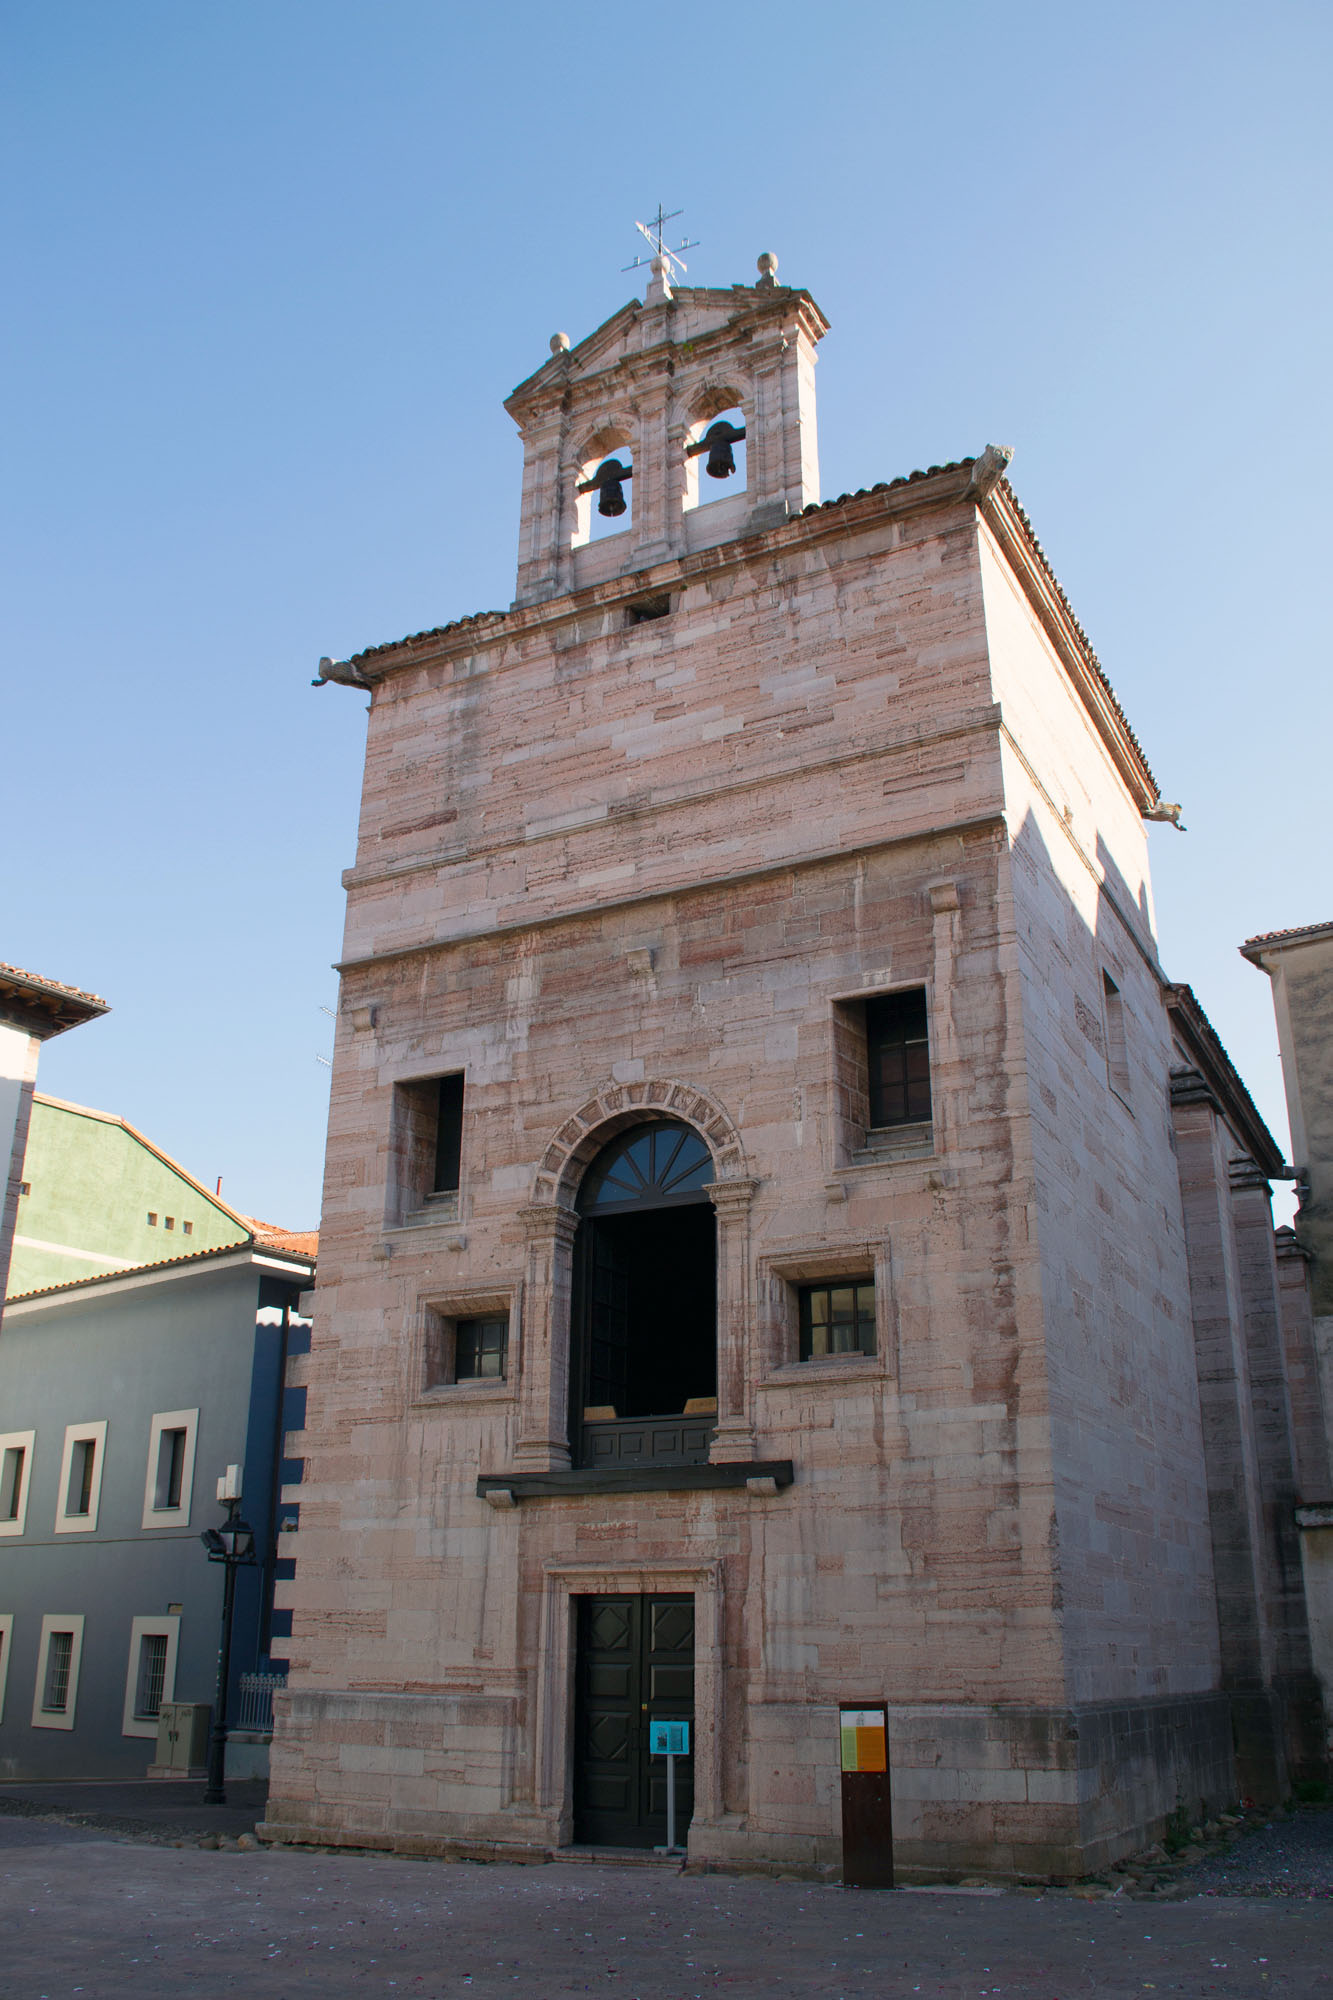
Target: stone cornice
[[524, 926], [1214, 1079], [977, 483]]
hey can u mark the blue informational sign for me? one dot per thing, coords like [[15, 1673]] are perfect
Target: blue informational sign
[[668, 1739]]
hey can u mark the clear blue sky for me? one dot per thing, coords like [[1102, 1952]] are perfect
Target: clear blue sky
[[271, 269]]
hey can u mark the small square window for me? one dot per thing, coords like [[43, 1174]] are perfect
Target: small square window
[[838, 1318], [479, 1349], [187, 1229], [170, 1222], [25, 1187], [152, 1218]]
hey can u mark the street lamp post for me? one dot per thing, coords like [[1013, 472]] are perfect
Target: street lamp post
[[232, 1544]]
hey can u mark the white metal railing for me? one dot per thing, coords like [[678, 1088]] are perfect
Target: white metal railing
[[256, 1704]]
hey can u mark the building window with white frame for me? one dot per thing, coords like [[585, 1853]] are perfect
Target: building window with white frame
[[15, 1477], [58, 1657], [80, 1490], [150, 1678], [169, 1476]]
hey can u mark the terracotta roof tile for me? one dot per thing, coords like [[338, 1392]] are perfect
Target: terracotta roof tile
[[268, 1236], [163, 1264], [35, 979], [1288, 936]]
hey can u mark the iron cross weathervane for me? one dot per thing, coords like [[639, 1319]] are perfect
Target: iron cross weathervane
[[652, 234]]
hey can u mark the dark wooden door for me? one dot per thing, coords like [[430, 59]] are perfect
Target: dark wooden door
[[635, 1662]]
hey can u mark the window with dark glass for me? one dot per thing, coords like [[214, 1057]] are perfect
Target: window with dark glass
[[170, 1469], [82, 1465], [151, 1677], [11, 1481], [898, 1058], [838, 1319], [479, 1349], [448, 1136], [59, 1656]]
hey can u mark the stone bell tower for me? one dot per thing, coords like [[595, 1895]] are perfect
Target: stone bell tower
[[639, 394]]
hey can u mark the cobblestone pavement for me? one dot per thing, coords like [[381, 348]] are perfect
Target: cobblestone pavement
[[100, 1919]]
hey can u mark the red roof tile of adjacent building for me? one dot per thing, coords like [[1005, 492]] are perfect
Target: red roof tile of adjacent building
[[290, 1246], [268, 1236], [1293, 936]]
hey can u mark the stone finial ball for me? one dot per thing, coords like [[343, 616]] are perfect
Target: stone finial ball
[[559, 343], [768, 264]]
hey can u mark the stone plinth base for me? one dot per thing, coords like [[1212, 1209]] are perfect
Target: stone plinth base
[[1008, 1792]]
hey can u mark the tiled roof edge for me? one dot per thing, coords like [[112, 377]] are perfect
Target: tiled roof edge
[[1296, 935], [248, 1249]]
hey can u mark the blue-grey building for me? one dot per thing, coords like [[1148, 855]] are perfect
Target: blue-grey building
[[124, 1398]]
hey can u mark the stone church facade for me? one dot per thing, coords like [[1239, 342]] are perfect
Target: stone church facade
[[754, 1263]]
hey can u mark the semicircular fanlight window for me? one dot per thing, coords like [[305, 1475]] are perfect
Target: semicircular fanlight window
[[650, 1166]]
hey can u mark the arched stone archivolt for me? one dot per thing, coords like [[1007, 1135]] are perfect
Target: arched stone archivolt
[[617, 1105]]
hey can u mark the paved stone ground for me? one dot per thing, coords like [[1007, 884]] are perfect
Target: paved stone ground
[[98, 1918], [150, 1809]]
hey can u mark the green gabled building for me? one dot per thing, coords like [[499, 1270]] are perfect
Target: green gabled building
[[97, 1197]]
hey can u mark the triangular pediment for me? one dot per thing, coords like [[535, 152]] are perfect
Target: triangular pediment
[[692, 313]]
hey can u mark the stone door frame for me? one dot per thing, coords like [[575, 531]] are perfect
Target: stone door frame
[[556, 1693]]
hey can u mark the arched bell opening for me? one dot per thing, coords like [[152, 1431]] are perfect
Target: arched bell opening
[[604, 491], [715, 467], [644, 1309]]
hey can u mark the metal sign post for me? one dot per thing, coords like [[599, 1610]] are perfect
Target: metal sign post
[[867, 1820], [669, 1740]]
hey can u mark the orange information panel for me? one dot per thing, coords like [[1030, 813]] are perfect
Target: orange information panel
[[865, 1739], [867, 1807]]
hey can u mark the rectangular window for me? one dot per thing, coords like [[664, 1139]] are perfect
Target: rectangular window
[[11, 1481], [169, 1475], [82, 1467], [15, 1474], [57, 1686], [6, 1646], [150, 1677], [80, 1487], [448, 1136], [170, 1467], [898, 1059], [465, 1340], [1117, 1048], [426, 1151], [479, 1349], [152, 1218], [152, 1672], [838, 1319]]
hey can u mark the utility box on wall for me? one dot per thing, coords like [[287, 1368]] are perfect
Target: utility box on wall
[[182, 1740], [867, 1816]]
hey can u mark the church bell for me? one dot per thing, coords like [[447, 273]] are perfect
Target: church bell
[[717, 441], [608, 483]]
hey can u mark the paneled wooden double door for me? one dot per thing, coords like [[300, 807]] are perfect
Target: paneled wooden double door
[[635, 1663]]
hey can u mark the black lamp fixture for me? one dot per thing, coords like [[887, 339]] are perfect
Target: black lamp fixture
[[232, 1545]]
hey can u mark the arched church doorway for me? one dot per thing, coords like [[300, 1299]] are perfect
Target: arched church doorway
[[644, 1307]]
